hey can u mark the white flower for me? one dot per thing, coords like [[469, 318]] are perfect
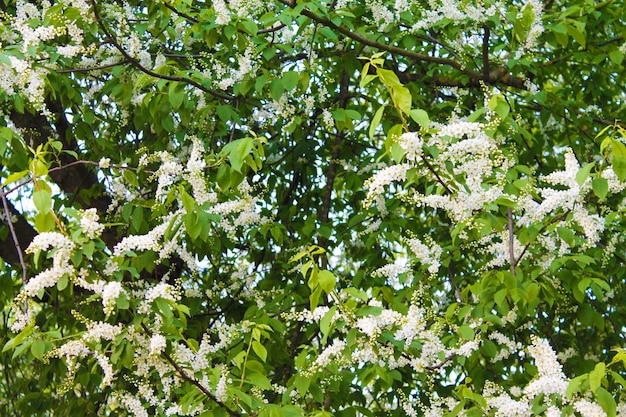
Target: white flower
[[376, 185], [104, 163], [545, 359], [101, 330], [110, 292], [412, 144], [427, 255], [589, 409], [157, 344], [89, 223]]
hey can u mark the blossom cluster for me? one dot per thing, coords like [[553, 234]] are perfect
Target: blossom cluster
[[479, 168]]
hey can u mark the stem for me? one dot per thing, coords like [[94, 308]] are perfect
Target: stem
[[511, 247], [245, 362]]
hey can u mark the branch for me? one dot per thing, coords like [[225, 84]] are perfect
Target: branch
[[544, 227], [498, 75], [441, 364], [272, 29], [186, 16], [486, 74], [16, 242], [70, 165], [36, 130], [147, 71], [98, 68], [193, 380], [509, 213], [434, 172], [332, 167]]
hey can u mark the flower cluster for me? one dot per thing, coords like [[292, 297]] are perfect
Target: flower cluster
[[62, 248], [89, 223], [376, 185]]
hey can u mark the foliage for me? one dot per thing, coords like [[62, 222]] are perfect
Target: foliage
[[312, 208]]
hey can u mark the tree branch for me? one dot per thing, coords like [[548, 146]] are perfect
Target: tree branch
[[193, 380], [16, 242], [509, 213], [132, 60], [485, 50], [500, 74]]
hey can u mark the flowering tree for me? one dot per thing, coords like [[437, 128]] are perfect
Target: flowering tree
[[312, 208]]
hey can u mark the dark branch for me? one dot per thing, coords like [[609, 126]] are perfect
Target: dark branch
[[145, 70], [499, 75]]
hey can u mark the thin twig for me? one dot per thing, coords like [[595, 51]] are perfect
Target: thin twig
[[89, 69], [186, 16], [271, 30], [509, 213], [193, 380], [80, 162], [16, 242], [544, 227], [434, 172]]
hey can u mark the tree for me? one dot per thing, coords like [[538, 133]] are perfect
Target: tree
[[312, 208]]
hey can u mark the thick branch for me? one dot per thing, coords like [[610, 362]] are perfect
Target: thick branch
[[486, 74]]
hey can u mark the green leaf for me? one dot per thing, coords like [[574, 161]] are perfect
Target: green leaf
[[15, 176], [21, 336], [259, 380], [38, 348], [498, 104], [260, 350], [314, 298], [566, 234], [176, 94], [575, 385], [619, 167], [327, 281], [249, 26], [290, 80], [302, 384], [420, 117], [326, 321], [45, 222], [62, 282], [42, 199], [600, 187], [606, 401], [616, 56], [466, 332], [122, 301], [164, 308], [583, 173], [376, 121], [595, 376], [402, 98], [578, 34], [389, 78]]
